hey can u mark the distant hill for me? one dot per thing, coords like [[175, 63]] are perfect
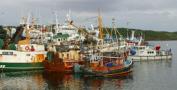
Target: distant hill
[[147, 34]]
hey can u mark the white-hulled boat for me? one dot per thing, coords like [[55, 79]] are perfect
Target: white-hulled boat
[[141, 52], [23, 55], [146, 53], [16, 60]]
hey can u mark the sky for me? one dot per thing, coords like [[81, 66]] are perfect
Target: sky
[[159, 15]]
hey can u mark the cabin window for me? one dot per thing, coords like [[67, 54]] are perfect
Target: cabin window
[[7, 53], [62, 55], [49, 41], [141, 48], [150, 52], [68, 56], [96, 58], [135, 48]]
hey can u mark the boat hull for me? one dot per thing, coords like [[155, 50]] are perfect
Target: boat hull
[[124, 71], [9, 67], [121, 72], [150, 58], [59, 66], [54, 63]]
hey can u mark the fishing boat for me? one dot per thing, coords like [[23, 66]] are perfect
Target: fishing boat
[[65, 32], [141, 51], [134, 41], [146, 53], [64, 51], [106, 59], [23, 55], [107, 66], [63, 59]]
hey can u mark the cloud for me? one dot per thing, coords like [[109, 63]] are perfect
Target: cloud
[[146, 14]]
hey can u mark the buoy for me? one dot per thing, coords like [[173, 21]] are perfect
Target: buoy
[[27, 48], [32, 48], [157, 47]]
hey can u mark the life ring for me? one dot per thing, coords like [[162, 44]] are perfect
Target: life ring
[[27, 48]]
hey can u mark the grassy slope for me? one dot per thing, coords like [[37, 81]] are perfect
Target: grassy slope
[[148, 34]]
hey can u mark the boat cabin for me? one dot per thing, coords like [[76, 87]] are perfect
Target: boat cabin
[[144, 51]]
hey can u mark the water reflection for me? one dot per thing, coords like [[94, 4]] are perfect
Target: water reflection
[[152, 75], [144, 72], [97, 83], [63, 81], [93, 83], [79, 82], [21, 80], [39, 80]]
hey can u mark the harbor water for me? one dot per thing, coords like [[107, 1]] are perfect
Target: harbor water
[[150, 75]]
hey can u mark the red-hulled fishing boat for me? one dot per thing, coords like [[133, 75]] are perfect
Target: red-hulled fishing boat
[[56, 61]]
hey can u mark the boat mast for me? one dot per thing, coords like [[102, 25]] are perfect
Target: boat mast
[[68, 16], [113, 27], [28, 21], [27, 29], [33, 23], [100, 25], [56, 22], [116, 32]]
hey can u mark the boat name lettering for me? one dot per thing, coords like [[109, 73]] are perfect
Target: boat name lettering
[[7, 53]]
